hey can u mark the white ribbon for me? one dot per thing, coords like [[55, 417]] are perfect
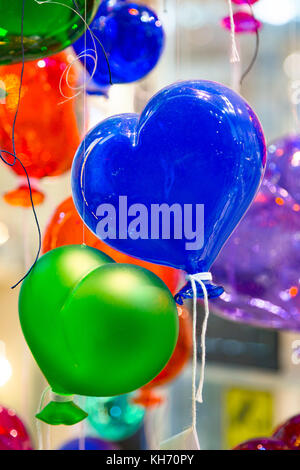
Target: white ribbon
[[61, 398], [234, 52], [197, 394]]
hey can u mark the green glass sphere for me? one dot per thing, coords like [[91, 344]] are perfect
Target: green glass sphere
[[49, 27], [95, 327]]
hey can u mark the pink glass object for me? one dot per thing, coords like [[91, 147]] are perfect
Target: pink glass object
[[13, 434], [263, 443], [244, 23], [244, 2], [289, 432], [259, 265], [284, 164]]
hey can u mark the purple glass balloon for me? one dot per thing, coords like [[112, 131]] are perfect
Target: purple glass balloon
[[259, 265], [13, 434], [263, 443], [284, 164]]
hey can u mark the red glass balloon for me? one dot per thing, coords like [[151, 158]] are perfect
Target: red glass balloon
[[13, 434], [66, 228], [178, 360], [263, 443], [46, 132], [181, 355], [244, 23], [289, 433]]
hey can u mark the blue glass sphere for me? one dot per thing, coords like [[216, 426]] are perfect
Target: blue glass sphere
[[114, 418], [132, 37]]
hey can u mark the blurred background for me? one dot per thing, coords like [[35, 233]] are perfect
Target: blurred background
[[252, 375]]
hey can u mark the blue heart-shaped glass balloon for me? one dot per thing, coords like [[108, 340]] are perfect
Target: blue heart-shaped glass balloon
[[198, 145]]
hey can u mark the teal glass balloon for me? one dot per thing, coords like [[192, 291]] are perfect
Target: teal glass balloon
[[49, 27], [114, 418]]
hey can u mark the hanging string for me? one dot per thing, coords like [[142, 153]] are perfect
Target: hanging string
[[14, 155], [236, 77], [95, 58], [295, 83], [194, 374], [197, 394], [84, 103], [177, 39], [26, 359], [48, 437], [88, 53], [85, 125], [256, 50], [165, 7], [81, 443], [38, 423], [94, 38], [234, 52]]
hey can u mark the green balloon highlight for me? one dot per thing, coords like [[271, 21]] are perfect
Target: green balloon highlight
[[49, 27], [95, 327]]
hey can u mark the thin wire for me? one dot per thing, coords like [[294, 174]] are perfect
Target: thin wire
[[81, 443], [94, 57], [294, 102], [256, 51], [85, 126], [177, 40], [14, 155], [38, 424], [84, 110], [95, 38]]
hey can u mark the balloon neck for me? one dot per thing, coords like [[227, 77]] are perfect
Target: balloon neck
[[148, 398], [61, 410], [98, 90], [186, 292], [21, 196]]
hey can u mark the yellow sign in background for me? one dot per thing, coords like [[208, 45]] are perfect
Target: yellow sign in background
[[247, 414]]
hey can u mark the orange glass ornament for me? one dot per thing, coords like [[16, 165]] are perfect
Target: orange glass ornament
[[66, 228], [46, 132]]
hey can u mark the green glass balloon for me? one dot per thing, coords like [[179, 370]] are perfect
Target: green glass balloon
[[49, 27], [95, 327]]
